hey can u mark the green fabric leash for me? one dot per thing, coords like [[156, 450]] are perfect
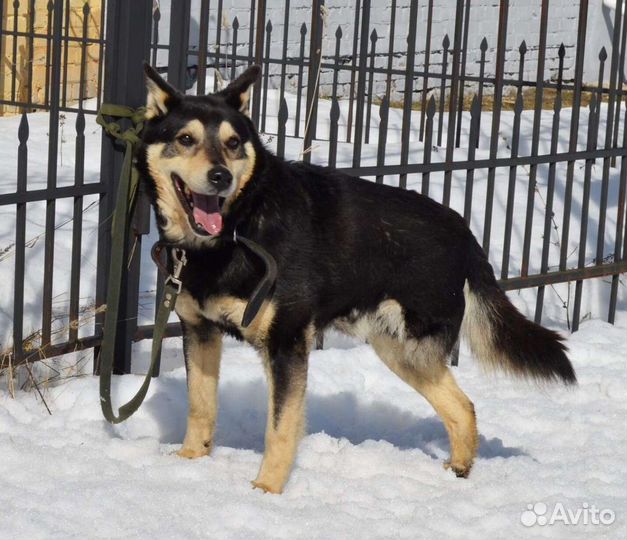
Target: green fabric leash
[[127, 192]]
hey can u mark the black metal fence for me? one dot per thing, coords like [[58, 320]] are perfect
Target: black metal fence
[[459, 120]]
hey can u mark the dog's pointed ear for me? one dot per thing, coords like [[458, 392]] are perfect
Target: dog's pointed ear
[[237, 93], [160, 95]]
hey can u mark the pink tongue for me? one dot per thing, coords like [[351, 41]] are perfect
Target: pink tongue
[[207, 212]]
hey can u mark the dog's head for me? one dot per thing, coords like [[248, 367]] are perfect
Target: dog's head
[[198, 152]]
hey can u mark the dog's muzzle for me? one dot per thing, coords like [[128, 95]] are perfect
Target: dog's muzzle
[[220, 178]]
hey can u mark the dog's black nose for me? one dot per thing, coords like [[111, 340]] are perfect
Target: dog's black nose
[[220, 178]]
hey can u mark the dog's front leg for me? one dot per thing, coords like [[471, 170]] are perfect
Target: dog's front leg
[[287, 380], [202, 343]]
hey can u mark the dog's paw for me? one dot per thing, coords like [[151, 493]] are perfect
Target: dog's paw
[[461, 470], [265, 487], [190, 453]]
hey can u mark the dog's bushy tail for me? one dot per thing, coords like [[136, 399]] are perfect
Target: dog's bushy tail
[[501, 337]]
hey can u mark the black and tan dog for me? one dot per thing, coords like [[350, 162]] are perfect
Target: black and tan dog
[[390, 266]]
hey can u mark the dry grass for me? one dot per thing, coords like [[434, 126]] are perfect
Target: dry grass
[[509, 100]]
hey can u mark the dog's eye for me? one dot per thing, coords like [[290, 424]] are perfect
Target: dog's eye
[[186, 140], [232, 143]]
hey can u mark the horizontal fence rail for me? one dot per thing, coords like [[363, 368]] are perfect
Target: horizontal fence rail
[[511, 134]]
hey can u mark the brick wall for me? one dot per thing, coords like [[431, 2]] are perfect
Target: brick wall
[[16, 81]]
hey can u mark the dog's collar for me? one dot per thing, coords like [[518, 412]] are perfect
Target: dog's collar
[[262, 290]]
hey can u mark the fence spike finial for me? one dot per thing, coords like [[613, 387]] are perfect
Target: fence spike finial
[[523, 48], [603, 54], [446, 42], [561, 52], [484, 45], [338, 32], [235, 23], [23, 130]]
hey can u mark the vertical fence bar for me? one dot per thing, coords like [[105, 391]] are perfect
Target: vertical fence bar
[[31, 46], [351, 95], [79, 175], [428, 145], [605, 179], [496, 119], [391, 33], [473, 138], [101, 47], [16, 7], [336, 62], [446, 43], [286, 24], [620, 82], [452, 103], [548, 213], [203, 45], [251, 32], [156, 17], [299, 83], [266, 75], [179, 43], [53, 140], [361, 83], [593, 124], [574, 128], [408, 89], [333, 118], [511, 188], [20, 240], [483, 47], [313, 83], [66, 50], [425, 77], [259, 41], [282, 119], [128, 39], [216, 52], [235, 27], [50, 8], [460, 104], [373, 46], [77, 228], [620, 222], [384, 110]]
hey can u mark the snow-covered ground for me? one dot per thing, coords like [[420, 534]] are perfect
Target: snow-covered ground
[[370, 466]]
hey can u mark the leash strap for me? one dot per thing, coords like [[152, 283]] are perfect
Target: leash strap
[[127, 191]]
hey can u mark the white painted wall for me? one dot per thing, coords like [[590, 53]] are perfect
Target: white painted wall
[[524, 24]]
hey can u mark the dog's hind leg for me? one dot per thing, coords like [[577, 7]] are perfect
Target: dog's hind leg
[[202, 344], [422, 365], [286, 367]]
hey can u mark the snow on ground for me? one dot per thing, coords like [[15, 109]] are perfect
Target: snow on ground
[[370, 466]]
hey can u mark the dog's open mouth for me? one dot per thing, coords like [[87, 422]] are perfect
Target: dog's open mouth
[[203, 211]]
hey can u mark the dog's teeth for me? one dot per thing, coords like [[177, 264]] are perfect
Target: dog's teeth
[[187, 191]]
